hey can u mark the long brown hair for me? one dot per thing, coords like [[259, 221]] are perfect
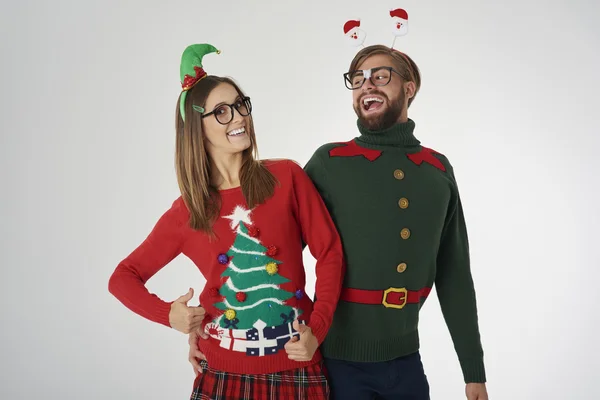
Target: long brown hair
[[407, 68], [194, 168]]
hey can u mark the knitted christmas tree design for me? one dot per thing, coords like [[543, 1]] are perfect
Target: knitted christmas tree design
[[251, 291]]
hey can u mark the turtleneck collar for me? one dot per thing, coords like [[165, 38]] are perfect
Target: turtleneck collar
[[399, 134]]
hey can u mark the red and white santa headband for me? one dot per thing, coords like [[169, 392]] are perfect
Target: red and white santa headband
[[356, 36]]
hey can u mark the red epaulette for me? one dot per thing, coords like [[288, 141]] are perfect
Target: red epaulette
[[351, 149], [426, 155]]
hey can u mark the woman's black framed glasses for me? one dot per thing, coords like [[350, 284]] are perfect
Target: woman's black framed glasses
[[224, 113], [379, 76]]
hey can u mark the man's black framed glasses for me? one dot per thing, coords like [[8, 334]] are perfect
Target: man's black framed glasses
[[379, 76]]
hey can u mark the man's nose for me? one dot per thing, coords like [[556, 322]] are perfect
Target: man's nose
[[368, 85]]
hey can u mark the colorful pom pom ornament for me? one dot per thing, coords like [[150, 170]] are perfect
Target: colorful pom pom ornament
[[271, 268], [240, 296], [230, 314]]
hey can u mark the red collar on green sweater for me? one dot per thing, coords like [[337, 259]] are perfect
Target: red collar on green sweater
[[351, 149]]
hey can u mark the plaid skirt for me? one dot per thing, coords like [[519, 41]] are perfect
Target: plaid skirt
[[308, 383]]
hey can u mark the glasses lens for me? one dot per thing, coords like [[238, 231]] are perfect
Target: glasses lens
[[354, 80], [243, 107], [381, 77], [223, 114]]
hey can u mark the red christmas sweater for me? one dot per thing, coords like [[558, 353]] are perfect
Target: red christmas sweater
[[254, 272]]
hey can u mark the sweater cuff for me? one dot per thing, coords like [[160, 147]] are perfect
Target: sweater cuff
[[473, 370], [162, 313], [318, 329]]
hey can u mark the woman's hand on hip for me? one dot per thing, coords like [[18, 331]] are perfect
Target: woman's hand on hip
[[195, 355]]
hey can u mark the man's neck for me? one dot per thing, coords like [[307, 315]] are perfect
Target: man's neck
[[403, 118]]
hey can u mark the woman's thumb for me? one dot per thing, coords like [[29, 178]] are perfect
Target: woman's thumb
[[186, 297], [301, 328]]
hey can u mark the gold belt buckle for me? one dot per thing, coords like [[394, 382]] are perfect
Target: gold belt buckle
[[394, 290]]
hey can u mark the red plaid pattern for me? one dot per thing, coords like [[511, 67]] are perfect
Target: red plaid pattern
[[298, 384]]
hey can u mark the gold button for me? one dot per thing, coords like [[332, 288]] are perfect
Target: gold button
[[403, 203], [401, 267], [405, 233], [399, 174]]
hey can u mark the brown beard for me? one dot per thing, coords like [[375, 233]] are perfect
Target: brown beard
[[382, 121]]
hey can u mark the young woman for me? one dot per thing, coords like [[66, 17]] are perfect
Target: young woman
[[243, 222]]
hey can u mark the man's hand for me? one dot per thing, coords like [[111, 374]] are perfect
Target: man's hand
[[195, 355], [304, 348], [476, 391], [183, 318]]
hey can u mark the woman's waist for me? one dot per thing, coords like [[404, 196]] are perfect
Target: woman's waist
[[261, 339], [258, 350]]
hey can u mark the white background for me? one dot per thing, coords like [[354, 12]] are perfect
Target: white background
[[89, 88]]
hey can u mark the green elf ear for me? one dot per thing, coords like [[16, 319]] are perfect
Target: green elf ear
[[198, 108], [191, 70]]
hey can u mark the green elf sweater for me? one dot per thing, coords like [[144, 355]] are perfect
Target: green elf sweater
[[397, 208]]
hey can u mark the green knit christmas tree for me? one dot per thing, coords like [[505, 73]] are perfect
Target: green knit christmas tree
[[251, 291]]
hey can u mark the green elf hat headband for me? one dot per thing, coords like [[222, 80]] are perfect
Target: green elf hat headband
[[191, 71]]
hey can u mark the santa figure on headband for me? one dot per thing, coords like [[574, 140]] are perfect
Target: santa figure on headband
[[400, 20], [354, 34]]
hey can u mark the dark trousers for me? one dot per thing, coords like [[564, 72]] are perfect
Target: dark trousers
[[399, 379]]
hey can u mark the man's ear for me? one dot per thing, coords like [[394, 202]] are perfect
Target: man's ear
[[410, 89]]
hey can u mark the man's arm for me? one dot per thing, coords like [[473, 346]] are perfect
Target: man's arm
[[456, 292]]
